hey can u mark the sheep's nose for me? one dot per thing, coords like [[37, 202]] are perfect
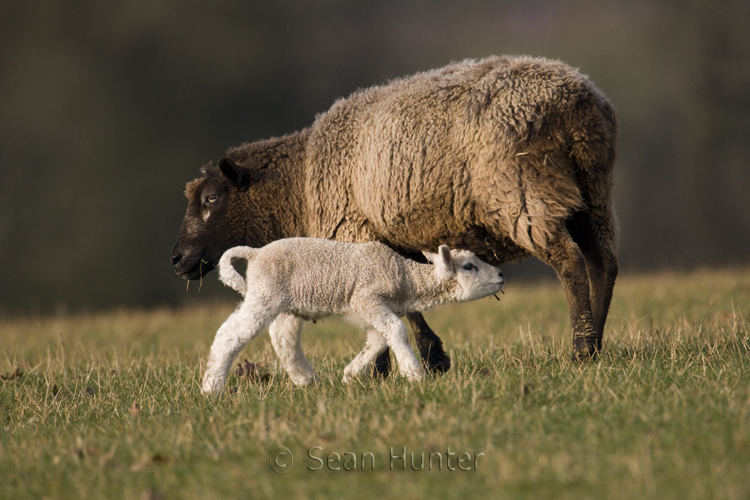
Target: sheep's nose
[[500, 274], [177, 257]]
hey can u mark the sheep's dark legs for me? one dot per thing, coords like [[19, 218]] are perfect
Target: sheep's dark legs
[[565, 256], [606, 267], [382, 364], [595, 237], [430, 348]]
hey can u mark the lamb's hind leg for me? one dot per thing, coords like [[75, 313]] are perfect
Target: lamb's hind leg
[[240, 327], [595, 236], [375, 345], [285, 337]]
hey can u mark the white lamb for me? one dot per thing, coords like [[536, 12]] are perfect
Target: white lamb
[[297, 279]]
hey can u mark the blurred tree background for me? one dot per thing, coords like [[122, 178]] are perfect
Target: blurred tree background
[[107, 109]]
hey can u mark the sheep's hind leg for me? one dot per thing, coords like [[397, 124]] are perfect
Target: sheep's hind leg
[[595, 235], [285, 337], [240, 327], [375, 345], [565, 256]]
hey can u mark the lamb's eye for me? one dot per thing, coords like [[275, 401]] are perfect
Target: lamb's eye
[[212, 198], [470, 267]]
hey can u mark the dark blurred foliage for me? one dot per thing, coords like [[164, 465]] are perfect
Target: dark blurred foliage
[[107, 109]]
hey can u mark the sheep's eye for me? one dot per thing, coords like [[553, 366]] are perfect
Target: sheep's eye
[[212, 198], [470, 267]]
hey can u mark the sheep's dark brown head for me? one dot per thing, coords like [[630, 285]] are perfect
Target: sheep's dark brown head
[[216, 219]]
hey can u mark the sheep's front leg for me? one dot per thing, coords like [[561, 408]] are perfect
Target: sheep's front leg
[[239, 329], [375, 345], [394, 331], [430, 346], [285, 337]]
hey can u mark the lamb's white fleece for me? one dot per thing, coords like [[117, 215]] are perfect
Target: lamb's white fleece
[[297, 279]]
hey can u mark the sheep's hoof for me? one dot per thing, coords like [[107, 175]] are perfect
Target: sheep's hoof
[[437, 363], [585, 350]]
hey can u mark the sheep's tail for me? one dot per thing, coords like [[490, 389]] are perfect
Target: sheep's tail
[[228, 274], [593, 151], [594, 138]]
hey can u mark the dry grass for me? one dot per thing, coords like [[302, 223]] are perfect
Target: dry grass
[[665, 412]]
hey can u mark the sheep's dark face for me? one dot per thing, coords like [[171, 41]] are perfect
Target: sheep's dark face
[[210, 226]]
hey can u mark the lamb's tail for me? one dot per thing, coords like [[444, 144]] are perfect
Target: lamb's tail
[[228, 274]]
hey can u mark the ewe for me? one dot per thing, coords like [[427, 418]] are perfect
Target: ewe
[[509, 157], [297, 279]]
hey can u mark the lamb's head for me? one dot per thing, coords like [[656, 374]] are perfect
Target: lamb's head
[[475, 278]]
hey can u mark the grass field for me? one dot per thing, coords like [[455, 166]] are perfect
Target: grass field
[[664, 413]]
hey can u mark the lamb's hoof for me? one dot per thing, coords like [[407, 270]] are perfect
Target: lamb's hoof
[[212, 387], [348, 377], [304, 381], [210, 392]]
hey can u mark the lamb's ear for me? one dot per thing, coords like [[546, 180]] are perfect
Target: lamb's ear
[[442, 260], [431, 257], [235, 173]]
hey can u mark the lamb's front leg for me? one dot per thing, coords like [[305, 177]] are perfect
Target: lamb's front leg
[[239, 328], [285, 337], [375, 344], [394, 331]]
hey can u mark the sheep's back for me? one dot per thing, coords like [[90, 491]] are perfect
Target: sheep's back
[[435, 157]]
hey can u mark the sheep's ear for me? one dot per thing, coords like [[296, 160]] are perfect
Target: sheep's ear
[[238, 175]]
